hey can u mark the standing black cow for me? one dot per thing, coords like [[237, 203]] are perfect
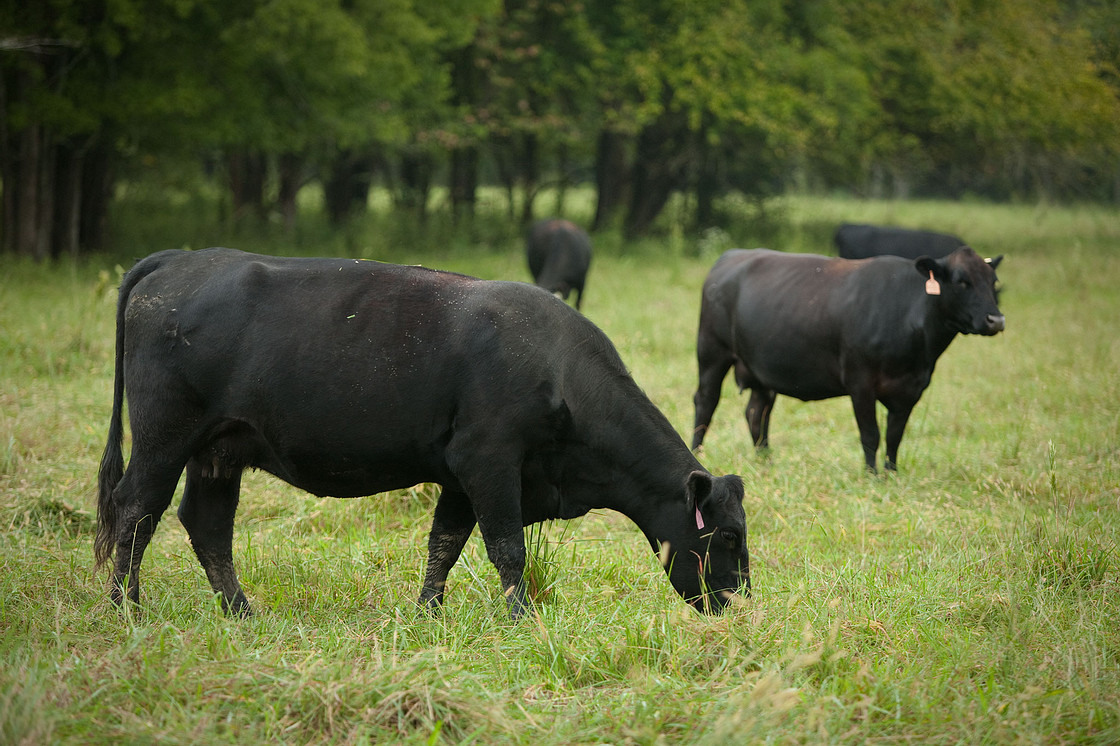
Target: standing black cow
[[858, 241], [813, 328], [347, 378], [559, 253]]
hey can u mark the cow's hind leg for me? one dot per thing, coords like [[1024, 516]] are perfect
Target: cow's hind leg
[[451, 527], [759, 407], [713, 360], [207, 511], [141, 498]]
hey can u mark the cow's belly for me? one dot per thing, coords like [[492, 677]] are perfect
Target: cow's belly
[[332, 477], [790, 376], [324, 463]]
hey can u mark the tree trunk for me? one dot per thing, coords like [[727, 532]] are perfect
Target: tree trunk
[[464, 181], [612, 179], [68, 210], [707, 185], [98, 178], [502, 151], [415, 183], [246, 182], [562, 185], [346, 190], [27, 190], [290, 176], [660, 166], [44, 212], [7, 172], [530, 174]]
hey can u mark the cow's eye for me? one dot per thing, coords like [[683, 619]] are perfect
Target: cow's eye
[[730, 537], [963, 282]]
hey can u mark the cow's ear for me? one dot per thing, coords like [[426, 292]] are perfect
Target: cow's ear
[[993, 263], [697, 489], [926, 265]]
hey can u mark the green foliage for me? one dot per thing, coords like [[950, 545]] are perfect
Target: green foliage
[[1003, 99]]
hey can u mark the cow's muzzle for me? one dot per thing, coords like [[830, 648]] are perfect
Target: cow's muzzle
[[995, 323]]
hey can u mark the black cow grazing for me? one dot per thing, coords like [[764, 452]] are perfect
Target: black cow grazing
[[814, 327], [857, 241], [348, 378], [559, 253]]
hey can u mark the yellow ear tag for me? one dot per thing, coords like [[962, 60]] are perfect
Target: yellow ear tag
[[932, 286]]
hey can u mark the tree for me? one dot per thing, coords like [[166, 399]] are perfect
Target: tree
[[68, 105], [277, 87], [533, 94], [998, 97], [697, 97], [332, 82]]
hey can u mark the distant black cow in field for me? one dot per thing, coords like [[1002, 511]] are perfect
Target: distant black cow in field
[[858, 241], [559, 254], [814, 327], [347, 378]]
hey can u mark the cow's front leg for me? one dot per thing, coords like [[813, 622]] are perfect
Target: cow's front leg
[[497, 506], [863, 403], [714, 360], [451, 527], [505, 546], [487, 459], [896, 425], [494, 487]]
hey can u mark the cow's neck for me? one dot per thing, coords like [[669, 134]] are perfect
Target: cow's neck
[[938, 334], [630, 464]]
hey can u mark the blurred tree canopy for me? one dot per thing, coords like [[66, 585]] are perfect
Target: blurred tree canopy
[[643, 98]]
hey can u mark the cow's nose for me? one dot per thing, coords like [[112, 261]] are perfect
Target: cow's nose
[[995, 322]]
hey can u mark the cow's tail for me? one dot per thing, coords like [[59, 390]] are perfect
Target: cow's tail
[[112, 460]]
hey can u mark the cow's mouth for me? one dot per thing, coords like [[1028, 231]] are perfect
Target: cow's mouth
[[714, 602]]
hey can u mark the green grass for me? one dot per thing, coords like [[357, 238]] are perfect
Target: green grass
[[971, 598]]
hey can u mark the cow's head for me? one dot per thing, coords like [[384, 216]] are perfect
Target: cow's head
[[704, 548], [966, 290]]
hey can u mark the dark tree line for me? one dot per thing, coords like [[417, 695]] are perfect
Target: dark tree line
[[642, 98]]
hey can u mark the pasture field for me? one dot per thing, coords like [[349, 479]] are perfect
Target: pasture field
[[970, 598]]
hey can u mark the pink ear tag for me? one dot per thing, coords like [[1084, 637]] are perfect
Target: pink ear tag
[[932, 287], [699, 519]]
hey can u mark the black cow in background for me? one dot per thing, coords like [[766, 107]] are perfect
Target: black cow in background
[[860, 241], [815, 327], [346, 377], [559, 253]]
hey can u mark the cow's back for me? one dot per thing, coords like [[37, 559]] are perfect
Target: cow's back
[[324, 316], [771, 290], [862, 241], [347, 361]]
